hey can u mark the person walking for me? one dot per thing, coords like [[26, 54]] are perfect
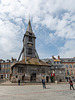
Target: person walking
[[43, 82], [71, 84]]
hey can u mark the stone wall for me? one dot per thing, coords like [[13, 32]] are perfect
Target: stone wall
[[30, 73]]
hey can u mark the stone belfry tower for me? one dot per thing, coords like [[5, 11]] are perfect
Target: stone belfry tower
[[29, 43]]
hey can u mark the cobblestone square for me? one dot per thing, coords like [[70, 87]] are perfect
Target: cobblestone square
[[36, 92]]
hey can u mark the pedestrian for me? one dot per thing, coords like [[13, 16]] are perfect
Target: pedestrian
[[43, 82], [19, 81], [71, 84]]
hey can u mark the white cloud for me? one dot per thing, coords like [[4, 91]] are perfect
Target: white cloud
[[68, 50], [56, 15]]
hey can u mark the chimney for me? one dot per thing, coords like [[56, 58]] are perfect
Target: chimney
[[58, 57], [53, 57], [13, 60]]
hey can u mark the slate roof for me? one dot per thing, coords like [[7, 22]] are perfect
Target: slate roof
[[29, 30], [67, 59], [29, 27], [31, 61]]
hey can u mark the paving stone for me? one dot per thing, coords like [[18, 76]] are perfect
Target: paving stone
[[36, 92]]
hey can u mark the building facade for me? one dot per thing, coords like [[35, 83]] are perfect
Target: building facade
[[62, 67], [69, 67], [57, 70], [31, 71], [5, 66]]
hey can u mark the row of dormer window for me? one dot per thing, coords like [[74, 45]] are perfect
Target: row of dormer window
[[70, 65]]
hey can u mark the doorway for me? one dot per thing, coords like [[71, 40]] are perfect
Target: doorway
[[47, 79], [1, 76], [52, 79], [33, 77], [23, 78]]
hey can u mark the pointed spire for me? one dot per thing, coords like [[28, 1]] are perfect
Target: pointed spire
[[29, 27]]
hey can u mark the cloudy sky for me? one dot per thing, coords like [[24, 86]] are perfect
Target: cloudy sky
[[53, 22]]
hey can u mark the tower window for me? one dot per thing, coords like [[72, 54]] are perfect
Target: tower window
[[30, 39], [29, 51]]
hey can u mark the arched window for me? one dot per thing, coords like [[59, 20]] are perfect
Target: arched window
[[67, 66], [73, 65], [70, 65], [71, 72], [67, 72], [30, 39]]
